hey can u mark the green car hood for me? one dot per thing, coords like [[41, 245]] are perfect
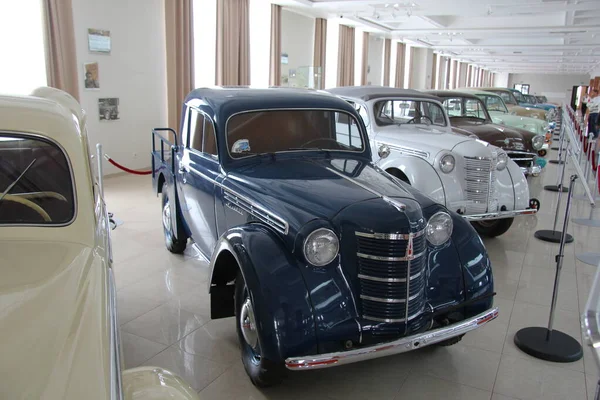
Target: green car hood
[[534, 125]]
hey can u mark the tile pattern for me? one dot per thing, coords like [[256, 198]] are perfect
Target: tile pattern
[[164, 313]]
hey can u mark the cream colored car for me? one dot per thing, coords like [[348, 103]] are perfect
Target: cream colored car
[[59, 336]]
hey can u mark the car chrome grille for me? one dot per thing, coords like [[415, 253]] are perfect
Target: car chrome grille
[[481, 184], [392, 275]]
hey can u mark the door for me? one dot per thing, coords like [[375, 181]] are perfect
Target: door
[[198, 171]]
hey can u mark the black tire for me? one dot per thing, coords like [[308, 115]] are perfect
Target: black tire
[[493, 228], [173, 244], [261, 371], [542, 153], [451, 341]]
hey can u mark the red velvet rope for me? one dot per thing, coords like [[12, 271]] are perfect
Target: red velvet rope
[[131, 171], [586, 146], [594, 162]]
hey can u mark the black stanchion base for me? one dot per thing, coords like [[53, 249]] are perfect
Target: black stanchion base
[[554, 148], [559, 162], [554, 188], [560, 348], [548, 235]]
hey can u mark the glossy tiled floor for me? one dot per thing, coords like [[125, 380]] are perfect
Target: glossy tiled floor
[[164, 317]]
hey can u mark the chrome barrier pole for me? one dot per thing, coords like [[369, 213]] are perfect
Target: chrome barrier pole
[[559, 182], [100, 157], [548, 343]]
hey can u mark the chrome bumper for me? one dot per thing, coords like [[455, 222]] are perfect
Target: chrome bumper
[[499, 215], [534, 170], [386, 349]]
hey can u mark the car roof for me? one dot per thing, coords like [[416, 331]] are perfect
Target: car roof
[[499, 89], [450, 93], [477, 91], [225, 101], [367, 93]]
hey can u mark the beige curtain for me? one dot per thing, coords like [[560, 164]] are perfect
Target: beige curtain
[[233, 43], [387, 55], [180, 57], [275, 61], [400, 65], [469, 71], [410, 68], [320, 47], [365, 59], [448, 64], [59, 41], [345, 73], [435, 72]]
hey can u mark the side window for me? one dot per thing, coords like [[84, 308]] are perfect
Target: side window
[[196, 129], [184, 128], [346, 130], [362, 111], [453, 107], [210, 141], [474, 109]]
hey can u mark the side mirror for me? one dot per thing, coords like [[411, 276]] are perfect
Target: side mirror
[[383, 151]]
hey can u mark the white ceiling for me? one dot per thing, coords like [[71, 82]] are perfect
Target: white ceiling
[[517, 36]]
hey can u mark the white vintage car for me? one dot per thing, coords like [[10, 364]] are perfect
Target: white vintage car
[[412, 139], [59, 336]]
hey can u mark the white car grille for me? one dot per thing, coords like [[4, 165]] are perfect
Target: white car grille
[[481, 185]]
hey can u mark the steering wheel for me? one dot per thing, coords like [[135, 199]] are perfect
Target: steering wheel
[[412, 120], [321, 139], [28, 203]]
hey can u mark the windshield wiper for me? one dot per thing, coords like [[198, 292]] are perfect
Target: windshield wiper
[[17, 180]]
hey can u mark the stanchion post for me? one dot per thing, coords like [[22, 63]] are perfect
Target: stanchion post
[[99, 158], [548, 343], [559, 182]]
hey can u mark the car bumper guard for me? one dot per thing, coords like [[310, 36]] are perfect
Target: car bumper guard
[[402, 345], [499, 215]]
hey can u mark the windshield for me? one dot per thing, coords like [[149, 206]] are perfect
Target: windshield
[[507, 98], [461, 107], [400, 112], [530, 99], [541, 99], [494, 103], [519, 96], [35, 182], [273, 131]]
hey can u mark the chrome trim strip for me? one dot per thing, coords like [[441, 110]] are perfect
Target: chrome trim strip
[[401, 345], [499, 215], [381, 258], [388, 280], [392, 320], [407, 150], [382, 300], [390, 236], [397, 204], [523, 153], [258, 212]]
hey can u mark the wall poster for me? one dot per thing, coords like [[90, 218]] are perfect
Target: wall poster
[[108, 108], [91, 73], [99, 41]]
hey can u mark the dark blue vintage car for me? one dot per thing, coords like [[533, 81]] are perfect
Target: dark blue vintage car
[[323, 258]]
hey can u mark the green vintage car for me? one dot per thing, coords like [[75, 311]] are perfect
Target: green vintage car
[[502, 116]]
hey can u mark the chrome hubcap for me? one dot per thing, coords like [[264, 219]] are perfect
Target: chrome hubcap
[[248, 324], [166, 217]]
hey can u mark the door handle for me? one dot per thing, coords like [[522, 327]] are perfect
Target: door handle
[[183, 169]]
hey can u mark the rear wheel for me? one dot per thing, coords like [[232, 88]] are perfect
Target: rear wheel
[[174, 245], [494, 227], [261, 371], [398, 174]]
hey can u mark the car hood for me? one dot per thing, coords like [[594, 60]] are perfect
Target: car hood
[[499, 135], [429, 139], [530, 124], [53, 321], [304, 188]]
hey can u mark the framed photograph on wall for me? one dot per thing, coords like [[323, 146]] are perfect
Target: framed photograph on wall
[[108, 108], [91, 76], [99, 41]]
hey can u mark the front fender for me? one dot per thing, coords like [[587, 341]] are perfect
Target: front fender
[[151, 383], [520, 186], [420, 173], [272, 274]]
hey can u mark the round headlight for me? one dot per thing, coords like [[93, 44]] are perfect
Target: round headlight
[[502, 161], [447, 163], [537, 142], [321, 247], [439, 228]]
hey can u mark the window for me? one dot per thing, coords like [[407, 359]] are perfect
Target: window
[[259, 132], [465, 107], [196, 129], [362, 111], [42, 189], [397, 112], [494, 103], [210, 143], [508, 99]]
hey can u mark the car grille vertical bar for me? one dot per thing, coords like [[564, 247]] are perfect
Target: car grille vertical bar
[[479, 177], [392, 275]]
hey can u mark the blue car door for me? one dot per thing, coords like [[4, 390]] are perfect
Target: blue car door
[[198, 170]]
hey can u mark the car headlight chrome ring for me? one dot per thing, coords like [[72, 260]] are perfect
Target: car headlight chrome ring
[[321, 247], [502, 161], [439, 228], [447, 163], [537, 142]]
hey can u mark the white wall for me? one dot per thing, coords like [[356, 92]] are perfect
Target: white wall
[[422, 66], [462, 77], [135, 72], [375, 61], [501, 79], [557, 87], [297, 40]]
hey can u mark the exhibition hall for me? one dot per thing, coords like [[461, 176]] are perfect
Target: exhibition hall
[[300, 199]]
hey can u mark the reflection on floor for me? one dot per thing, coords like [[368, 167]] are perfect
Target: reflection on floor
[[164, 317]]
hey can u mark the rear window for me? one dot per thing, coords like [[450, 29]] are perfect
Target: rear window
[[35, 182]]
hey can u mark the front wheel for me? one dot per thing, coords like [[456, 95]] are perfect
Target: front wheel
[[173, 244], [494, 227], [542, 153], [261, 371]]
